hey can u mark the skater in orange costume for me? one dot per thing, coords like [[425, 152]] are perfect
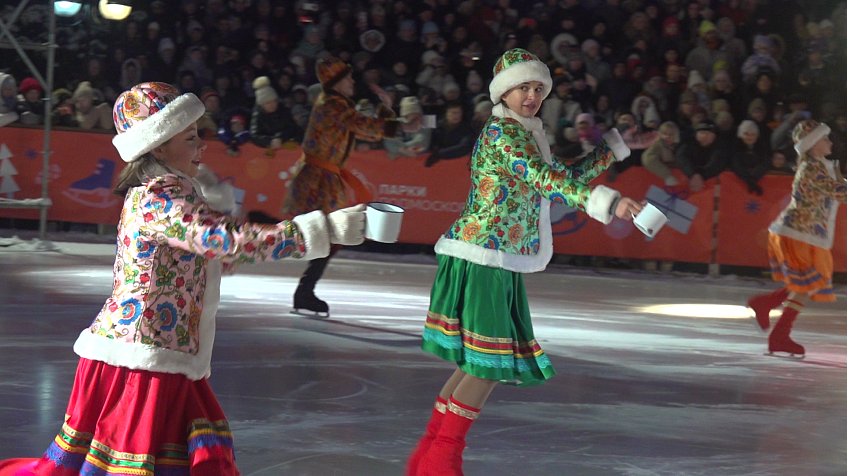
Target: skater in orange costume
[[800, 239]]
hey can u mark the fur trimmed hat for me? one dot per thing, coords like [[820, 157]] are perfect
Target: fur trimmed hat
[[331, 70], [515, 67], [265, 93], [410, 105], [149, 114], [807, 133]]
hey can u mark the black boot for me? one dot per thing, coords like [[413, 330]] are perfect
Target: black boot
[[304, 296]]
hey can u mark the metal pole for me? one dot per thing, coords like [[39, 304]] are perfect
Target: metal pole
[[48, 109]]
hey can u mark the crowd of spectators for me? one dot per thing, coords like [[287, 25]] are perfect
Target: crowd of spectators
[[701, 85]]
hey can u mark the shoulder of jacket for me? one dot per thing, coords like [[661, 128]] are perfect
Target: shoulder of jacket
[[169, 183]]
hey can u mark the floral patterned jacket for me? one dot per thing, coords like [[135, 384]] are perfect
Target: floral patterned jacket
[[815, 196], [333, 127], [160, 316], [505, 222]]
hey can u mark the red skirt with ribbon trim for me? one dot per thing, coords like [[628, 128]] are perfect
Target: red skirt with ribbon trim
[[134, 422]]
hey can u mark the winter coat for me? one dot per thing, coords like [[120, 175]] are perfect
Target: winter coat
[[692, 158], [265, 127], [333, 127], [815, 196], [171, 243], [506, 219]]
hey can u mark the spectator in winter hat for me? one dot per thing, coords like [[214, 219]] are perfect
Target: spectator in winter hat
[[271, 126], [372, 41], [761, 60], [409, 144], [709, 50], [207, 125], [702, 158], [8, 98], [29, 106], [751, 155], [659, 157], [594, 64], [87, 115]]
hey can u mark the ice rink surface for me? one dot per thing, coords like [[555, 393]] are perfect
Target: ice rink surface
[[640, 390]]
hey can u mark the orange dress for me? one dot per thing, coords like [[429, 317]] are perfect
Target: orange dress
[[319, 182]]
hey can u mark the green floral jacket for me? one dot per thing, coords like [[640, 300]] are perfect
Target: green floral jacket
[[506, 213]]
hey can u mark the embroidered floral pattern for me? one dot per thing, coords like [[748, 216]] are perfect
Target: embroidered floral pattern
[[166, 237], [814, 193], [333, 127], [508, 179]]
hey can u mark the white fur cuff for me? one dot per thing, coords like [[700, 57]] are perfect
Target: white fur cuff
[[617, 144], [600, 202], [313, 226], [158, 128], [812, 138]]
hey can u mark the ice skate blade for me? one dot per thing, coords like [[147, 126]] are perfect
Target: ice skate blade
[[310, 314], [785, 355]]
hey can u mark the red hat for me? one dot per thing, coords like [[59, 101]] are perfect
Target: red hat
[[331, 70], [30, 84], [239, 118]]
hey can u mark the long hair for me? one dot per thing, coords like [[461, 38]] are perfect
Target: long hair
[[139, 172]]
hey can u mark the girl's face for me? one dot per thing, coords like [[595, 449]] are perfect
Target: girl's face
[[583, 126], [213, 104], [84, 103], [671, 56], [722, 83], [749, 137], [525, 99], [758, 115], [400, 68], [668, 137], [33, 95], [453, 115], [822, 148], [8, 91], [183, 151]]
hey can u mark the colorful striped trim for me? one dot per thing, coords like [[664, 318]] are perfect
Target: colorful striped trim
[[441, 407], [203, 433], [450, 329]]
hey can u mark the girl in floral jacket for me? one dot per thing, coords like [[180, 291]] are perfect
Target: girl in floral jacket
[[478, 315], [141, 403], [800, 239]]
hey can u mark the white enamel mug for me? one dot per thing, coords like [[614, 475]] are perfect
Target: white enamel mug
[[650, 220], [383, 222]]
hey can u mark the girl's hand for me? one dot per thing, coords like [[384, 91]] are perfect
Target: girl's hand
[[627, 208]]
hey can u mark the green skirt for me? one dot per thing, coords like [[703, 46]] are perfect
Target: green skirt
[[479, 318]]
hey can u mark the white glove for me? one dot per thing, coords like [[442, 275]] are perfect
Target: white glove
[[347, 226], [220, 196]]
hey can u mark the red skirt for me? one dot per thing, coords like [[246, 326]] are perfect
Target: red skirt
[[134, 422]]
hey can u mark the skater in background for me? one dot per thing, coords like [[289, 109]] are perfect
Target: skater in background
[[141, 403], [478, 314], [800, 239], [320, 179]]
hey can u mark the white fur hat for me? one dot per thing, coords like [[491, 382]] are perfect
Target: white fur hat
[[149, 114], [264, 91], [518, 66]]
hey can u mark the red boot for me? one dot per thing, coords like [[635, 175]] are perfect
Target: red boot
[[779, 341], [429, 436], [762, 304], [444, 457]]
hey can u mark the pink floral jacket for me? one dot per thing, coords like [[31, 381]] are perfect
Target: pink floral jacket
[[171, 244]]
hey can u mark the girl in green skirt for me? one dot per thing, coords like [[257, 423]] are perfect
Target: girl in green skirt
[[479, 315]]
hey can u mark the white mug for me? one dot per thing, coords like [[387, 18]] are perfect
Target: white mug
[[650, 220], [383, 222]]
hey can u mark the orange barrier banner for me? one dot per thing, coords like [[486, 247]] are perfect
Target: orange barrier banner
[[84, 167], [744, 219], [575, 233]]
